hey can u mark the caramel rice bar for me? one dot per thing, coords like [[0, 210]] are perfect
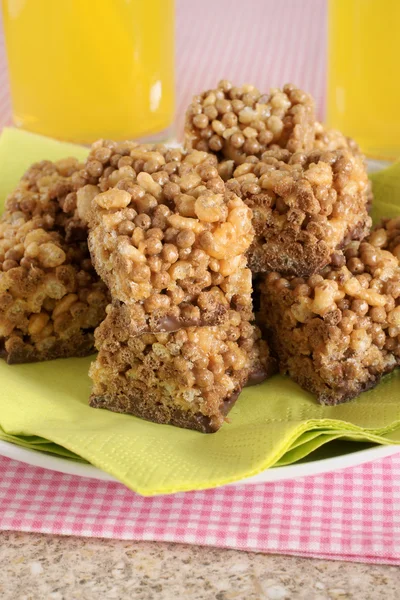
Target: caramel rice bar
[[189, 378], [51, 299], [305, 206], [167, 237], [337, 332], [237, 122]]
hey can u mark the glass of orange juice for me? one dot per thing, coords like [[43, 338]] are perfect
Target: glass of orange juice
[[85, 69], [363, 80]]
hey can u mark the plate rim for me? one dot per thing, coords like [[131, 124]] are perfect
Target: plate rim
[[294, 471]]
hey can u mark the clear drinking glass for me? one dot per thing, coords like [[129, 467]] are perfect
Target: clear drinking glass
[[363, 73], [84, 69]]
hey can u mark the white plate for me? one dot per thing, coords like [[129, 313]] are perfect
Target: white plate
[[302, 469]]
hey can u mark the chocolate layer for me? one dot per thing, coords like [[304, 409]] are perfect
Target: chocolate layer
[[137, 405]]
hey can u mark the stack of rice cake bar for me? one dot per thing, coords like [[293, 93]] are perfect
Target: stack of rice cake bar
[[169, 240]]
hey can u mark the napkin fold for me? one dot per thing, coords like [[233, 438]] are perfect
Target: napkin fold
[[44, 406]]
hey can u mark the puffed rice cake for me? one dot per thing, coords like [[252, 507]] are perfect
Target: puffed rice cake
[[51, 299], [337, 332]]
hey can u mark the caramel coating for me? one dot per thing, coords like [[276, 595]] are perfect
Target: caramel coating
[[305, 206], [53, 191], [167, 238], [238, 122], [50, 297], [386, 235], [328, 140], [338, 332], [189, 378]]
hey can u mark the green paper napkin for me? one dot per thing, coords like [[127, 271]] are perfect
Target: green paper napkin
[[386, 188], [45, 405]]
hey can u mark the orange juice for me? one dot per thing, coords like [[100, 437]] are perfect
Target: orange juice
[[363, 74], [84, 69]]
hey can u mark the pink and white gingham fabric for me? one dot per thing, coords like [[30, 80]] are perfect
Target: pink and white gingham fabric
[[353, 514]]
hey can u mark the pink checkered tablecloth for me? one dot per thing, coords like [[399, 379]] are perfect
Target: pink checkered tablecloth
[[353, 514]]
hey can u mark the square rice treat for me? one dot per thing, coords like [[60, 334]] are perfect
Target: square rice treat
[[337, 332], [167, 238], [238, 122], [51, 299], [305, 206], [189, 378]]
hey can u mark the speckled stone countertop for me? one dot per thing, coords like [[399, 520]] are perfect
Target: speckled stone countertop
[[39, 567]]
